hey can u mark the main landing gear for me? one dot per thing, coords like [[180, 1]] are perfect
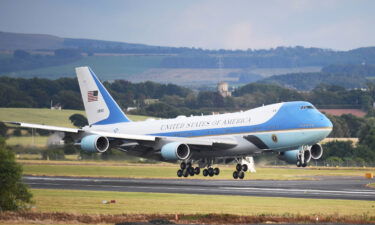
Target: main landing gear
[[239, 173], [300, 163], [186, 169], [211, 172]]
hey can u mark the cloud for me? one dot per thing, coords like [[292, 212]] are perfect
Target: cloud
[[339, 24], [244, 35], [343, 35]]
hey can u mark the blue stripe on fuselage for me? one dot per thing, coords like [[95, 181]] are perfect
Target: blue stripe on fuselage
[[290, 116]]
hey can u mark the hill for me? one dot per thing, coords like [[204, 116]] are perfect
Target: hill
[[344, 75], [13, 41], [53, 57]]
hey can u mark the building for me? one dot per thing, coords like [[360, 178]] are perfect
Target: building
[[223, 90]]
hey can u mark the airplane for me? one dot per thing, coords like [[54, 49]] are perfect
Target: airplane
[[293, 130]]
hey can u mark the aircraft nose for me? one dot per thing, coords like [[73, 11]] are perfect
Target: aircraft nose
[[326, 122]]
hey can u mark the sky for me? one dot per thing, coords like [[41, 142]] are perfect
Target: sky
[[208, 24]]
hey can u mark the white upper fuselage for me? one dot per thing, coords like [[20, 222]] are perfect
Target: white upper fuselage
[[168, 127], [292, 123]]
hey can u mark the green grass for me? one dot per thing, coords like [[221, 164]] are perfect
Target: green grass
[[106, 67], [40, 116], [118, 169], [27, 141], [74, 201]]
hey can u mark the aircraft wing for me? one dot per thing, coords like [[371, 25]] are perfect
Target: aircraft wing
[[207, 142], [45, 127]]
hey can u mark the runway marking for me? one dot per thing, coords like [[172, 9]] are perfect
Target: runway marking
[[300, 190]]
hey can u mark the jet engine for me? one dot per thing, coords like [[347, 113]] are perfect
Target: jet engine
[[316, 151], [175, 151], [295, 156], [94, 143]]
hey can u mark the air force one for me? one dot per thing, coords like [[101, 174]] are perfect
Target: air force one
[[290, 129]]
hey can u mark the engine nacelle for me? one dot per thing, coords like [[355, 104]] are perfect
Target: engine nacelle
[[316, 151], [293, 156], [175, 151], [94, 143]]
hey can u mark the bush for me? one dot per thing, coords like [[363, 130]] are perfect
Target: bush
[[53, 154], [334, 161], [70, 149], [14, 194], [83, 155]]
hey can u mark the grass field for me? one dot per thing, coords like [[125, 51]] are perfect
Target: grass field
[[27, 141], [45, 116], [40, 116], [118, 169], [106, 67], [159, 203]]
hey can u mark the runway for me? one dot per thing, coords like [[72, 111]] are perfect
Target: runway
[[353, 188]]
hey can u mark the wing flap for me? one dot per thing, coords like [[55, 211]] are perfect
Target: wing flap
[[130, 137]]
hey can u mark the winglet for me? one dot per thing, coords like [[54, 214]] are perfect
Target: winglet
[[100, 107]]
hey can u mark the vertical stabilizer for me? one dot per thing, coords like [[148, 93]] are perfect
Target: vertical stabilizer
[[100, 107]]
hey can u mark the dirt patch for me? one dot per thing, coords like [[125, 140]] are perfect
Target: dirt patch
[[70, 218]]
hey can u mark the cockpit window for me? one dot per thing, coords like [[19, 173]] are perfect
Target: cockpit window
[[307, 107]]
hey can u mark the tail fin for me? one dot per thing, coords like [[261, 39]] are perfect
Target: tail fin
[[100, 107]]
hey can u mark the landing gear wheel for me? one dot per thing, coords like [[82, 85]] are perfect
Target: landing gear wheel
[[197, 170], [244, 167], [205, 172], [191, 171], [241, 175], [304, 164], [235, 175], [188, 164], [186, 173], [211, 172], [238, 167], [216, 171], [179, 173], [299, 163], [183, 165]]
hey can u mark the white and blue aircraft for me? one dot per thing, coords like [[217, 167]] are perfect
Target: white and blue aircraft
[[290, 129]]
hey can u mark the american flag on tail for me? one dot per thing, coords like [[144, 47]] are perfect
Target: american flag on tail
[[92, 96]]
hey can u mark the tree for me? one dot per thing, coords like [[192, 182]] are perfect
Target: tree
[[68, 53], [21, 54], [78, 120], [3, 130], [14, 194]]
